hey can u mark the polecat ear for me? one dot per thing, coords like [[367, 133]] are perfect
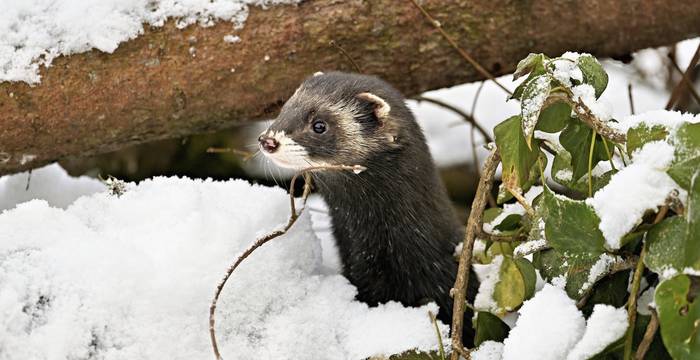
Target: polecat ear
[[381, 111], [381, 107]]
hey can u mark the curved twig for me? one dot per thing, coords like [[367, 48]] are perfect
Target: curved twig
[[470, 119], [294, 215]]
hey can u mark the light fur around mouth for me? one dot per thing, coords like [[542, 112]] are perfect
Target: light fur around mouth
[[290, 154]]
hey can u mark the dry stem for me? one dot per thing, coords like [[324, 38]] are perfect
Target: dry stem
[[652, 327], [460, 289], [216, 150], [294, 215], [461, 51], [676, 93]]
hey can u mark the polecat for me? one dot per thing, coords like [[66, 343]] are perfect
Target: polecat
[[394, 224]]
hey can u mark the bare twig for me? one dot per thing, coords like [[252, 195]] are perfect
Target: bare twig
[[676, 93], [461, 51], [468, 118], [521, 200], [634, 292], [685, 79], [441, 348], [631, 99], [473, 223], [491, 199], [649, 334], [216, 150], [294, 215], [334, 44]]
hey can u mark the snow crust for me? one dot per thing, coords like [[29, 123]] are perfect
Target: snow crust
[[132, 277], [34, 32], [488, 275], [641, 186]]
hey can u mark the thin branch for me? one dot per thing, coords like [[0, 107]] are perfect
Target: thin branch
[[460, 288], [649, 334], [676, 93], [216, 150], [294, 215], [461, 51], [626, 264], [685, 79], [468, 118], [342, 51], [631, 99], [634, 292], [521, 199]]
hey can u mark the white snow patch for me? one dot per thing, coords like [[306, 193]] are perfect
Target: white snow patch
[[34, 32], [132, 277], [549, 326], [50, 183], [511, 209], [671, 120], [646, 301], [606, 325], [488, 275], [560, 281], [529, 247], [599, 107], [643, 185], [488, 350], [232, 39]]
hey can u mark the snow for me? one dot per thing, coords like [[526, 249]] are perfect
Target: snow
[[671, 120], [96, 280], [641, 186], [646, 301], [605, 325], [34, 32], [488, 350], [232, 39], [586, 94], [50, 182], [512, 209], [549, 326], [566, 68], [529, 247], [488, 275]]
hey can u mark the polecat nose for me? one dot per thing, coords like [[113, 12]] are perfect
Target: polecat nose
[[268, 144]]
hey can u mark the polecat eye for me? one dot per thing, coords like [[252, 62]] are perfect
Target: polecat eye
[[319, 126]]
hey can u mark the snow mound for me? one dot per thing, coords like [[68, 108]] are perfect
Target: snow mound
[[34, 32], [132, 277], [643, 185], [50, 183], [548, 327]]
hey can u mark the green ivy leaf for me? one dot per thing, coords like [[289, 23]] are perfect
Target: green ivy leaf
[[510, 289], [679, 316], [554, 118], [576, 139], [536, 69], [511, 222], [642, 134], [593, 73], [572, 226], [675, 242], [532, 102], [529, 64], [687, 156], [489, 327], [575, 268], [527, 270], [516, 156]]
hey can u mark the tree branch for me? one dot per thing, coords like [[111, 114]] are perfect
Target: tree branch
[[152, 88]]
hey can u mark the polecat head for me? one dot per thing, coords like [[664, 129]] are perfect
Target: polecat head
[[338, 118]]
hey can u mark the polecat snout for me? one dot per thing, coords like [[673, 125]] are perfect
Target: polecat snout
[[394, 224]]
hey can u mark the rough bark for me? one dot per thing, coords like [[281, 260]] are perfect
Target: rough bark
[[169, 82]]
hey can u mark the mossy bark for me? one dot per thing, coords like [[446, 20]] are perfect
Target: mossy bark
[[169, 82]]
